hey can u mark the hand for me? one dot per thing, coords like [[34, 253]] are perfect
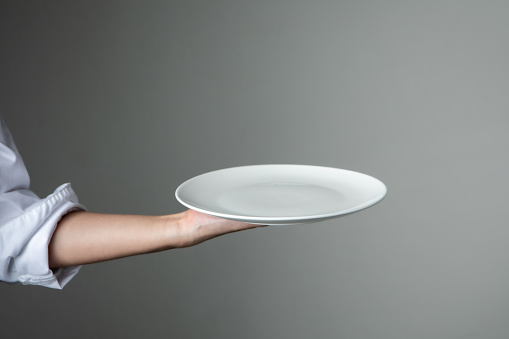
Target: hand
[[197, 227]]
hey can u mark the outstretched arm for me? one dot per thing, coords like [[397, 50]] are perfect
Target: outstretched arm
[[84, 237]]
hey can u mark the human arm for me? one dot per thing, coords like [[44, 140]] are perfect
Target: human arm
[[55, 231], [83, 237]]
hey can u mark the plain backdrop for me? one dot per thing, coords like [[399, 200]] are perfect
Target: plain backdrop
[[128, 99]]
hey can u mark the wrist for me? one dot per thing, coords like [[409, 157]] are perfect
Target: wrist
[[175, 231]]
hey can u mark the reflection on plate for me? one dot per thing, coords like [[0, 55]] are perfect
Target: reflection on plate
[[280, 194]]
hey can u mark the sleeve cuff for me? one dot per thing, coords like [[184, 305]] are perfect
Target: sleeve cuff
[[31, 264]]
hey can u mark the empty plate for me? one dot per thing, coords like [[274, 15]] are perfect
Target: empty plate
[[280, 194]]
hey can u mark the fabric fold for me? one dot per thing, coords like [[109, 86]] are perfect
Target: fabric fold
[[30, 234], [27, 222]]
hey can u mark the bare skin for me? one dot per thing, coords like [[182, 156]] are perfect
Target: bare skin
[[85, 237]]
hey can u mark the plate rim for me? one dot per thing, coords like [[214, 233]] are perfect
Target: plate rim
[[357, 208]]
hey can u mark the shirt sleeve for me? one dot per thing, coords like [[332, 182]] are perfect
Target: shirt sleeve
[[28, 222]]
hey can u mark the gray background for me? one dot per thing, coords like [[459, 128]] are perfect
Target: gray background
[[126, 100]]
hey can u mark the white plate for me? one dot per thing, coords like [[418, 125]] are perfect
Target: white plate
[[280, 194]]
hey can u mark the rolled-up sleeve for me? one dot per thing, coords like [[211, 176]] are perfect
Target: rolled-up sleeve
[[28, 222]]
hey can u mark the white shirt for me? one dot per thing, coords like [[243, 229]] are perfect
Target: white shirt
[[27, 222]]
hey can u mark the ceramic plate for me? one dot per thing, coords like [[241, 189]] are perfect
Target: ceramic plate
[[280, 194]]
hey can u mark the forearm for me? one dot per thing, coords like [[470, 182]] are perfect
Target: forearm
[[83, 237]]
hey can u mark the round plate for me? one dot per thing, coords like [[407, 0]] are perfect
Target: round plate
[[280, 194]]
